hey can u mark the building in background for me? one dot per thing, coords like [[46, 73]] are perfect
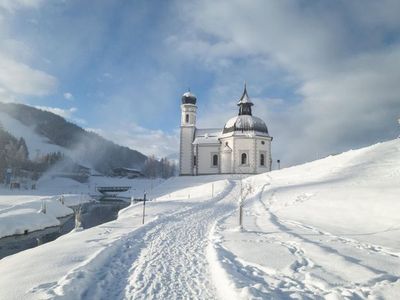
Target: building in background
[[243, 146]]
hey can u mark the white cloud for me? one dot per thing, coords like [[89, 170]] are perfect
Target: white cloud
[[68, 96], [18, 74], [144, 140], [66, 113], [12, 5], [19, 78], [346, 80]]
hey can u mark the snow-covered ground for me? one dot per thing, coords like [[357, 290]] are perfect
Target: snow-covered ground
[[327, 229], [19, 209]]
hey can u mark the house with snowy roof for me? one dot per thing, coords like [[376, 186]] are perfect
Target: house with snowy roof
[[242, 146]]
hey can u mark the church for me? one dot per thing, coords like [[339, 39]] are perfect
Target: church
[[242, 146]]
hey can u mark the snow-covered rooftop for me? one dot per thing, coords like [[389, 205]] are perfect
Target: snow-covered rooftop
[[207, 136], [245, 124]]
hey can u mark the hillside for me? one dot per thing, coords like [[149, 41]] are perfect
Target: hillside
[[45, 132], [328, 229]]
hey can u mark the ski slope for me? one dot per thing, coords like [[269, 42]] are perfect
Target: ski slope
[[37, 144], [323, 230]]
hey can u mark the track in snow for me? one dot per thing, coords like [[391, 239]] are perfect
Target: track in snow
[[164, 259], [325, 265]]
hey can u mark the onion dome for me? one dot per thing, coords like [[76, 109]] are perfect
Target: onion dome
[[189, 98], [245, 124]]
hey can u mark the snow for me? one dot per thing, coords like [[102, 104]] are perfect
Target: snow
[[19, 208], [34, 141], [19, 214], [323, 230], [207, 136], [247, 123]]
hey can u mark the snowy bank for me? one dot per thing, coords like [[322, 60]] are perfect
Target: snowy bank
[[326, 229], [21, 214]]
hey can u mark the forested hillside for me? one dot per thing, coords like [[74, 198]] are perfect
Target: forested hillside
[[86, 147]]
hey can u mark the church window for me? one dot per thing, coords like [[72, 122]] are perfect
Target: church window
[[215, 160], [262, 143], [194, 160], [244, 159], [187, 118], [262, 159]]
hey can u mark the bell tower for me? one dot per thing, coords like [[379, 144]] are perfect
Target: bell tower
[[188, 127]]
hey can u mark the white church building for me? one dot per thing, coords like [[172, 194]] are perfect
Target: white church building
[[243, 146]]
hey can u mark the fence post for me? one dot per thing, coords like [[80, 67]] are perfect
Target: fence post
[[144, 206]]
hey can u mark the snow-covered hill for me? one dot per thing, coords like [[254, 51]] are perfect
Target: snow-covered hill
[[37, 145], [328, 229], [45, 132]]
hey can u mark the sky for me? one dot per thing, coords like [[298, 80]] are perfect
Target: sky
[[324, 75]]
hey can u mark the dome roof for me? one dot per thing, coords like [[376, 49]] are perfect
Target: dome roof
[[246, 124], [188, 98]]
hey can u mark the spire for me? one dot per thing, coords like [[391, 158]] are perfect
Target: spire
[[245, 103]]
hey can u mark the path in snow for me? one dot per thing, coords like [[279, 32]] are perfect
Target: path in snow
[[165, 259], [299, 261]]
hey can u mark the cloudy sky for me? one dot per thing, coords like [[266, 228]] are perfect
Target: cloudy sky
[[324, 75]]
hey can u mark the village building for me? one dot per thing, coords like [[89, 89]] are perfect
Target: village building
[[242, 146]]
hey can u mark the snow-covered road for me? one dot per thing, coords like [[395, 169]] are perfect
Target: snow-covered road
[[169, 262]]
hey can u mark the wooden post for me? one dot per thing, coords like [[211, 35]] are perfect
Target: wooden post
[[144, 206], [241, 205], [241, 215]]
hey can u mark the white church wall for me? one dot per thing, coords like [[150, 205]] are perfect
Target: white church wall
[[252, 147], [226, 162], [186, 151], [205, 163], [263, 146], [244, 145]]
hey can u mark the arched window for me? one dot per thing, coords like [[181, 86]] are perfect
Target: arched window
[[187, 118], [215, 160], [262, 159], [244, 159]]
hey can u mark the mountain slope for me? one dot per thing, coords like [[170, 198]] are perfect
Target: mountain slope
[[48, 132]]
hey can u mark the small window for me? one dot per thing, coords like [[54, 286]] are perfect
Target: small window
[[195, 161], [244, 159], [262, 160], [215, 160], [187, 118], [262, 143]]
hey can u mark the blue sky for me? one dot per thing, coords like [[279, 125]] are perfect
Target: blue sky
[[323, 75]]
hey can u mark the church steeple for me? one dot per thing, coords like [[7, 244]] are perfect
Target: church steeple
[[245, 103]]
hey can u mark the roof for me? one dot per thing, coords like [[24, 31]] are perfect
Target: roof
[[207, 136], [246, 125], [189, 98], [245, 99]]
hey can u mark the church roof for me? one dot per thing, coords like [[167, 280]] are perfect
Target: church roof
[[246, 125], [189, 98], [245, 99], [207, 136]]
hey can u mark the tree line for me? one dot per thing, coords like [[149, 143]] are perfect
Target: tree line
[[14, 155], [162, 168]]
